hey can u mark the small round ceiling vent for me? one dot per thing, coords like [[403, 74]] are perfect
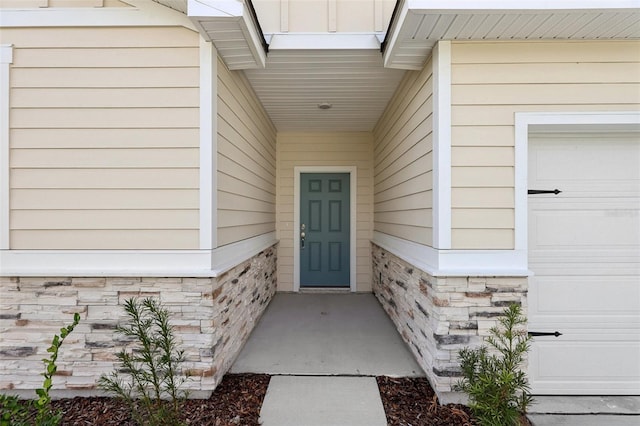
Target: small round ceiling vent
[[324, 105]]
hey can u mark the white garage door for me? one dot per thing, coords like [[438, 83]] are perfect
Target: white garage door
[[584, 251]]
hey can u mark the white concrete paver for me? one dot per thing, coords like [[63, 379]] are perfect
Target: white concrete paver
[[322, 401]]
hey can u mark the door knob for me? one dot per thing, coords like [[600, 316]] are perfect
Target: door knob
[[302, 237]]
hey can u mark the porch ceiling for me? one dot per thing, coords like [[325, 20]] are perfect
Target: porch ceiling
[[295, 82]]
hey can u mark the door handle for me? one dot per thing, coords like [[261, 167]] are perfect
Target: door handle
[[302, 237]]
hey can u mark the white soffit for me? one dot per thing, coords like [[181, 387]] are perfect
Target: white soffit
[[229, 25], [419, 24]]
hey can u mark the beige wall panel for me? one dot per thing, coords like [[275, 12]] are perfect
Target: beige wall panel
[[105, 118], [228, 183], [104, 98], [542, 94], [98, 199], [482, 136], [482, 156], [105, 37], [483, 218], [417, 234], [104, 158], [155, 239], [491, 81], [108, 219], [235, 170], [415, 201], [104, 138], [415, 184], [243, 203], [308, 15], [483, 177], [325, 149], [482, 198], [406, 173], [239, 233], [482, 239], [403, 160], [84, 178], [355, 16], [544, 52], [231, 218], [246, 161], [104, 77], [107, 58], [547, 73]]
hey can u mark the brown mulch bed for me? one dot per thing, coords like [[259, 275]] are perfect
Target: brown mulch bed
[[237, 401]]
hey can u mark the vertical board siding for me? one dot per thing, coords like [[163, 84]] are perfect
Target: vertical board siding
[[491, 81], [403, 162], [246, 161], [324, 15], [325, 149], [104, 138]]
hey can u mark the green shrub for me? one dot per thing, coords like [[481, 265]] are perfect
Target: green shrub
[[498, 389], [38, 412], [148, 379]]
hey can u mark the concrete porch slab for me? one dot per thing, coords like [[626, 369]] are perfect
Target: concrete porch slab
[[322, 401], [586, 405], [326, 334]]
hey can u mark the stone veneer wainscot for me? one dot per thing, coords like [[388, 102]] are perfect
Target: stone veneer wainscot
[[437, 316], [212, 319]]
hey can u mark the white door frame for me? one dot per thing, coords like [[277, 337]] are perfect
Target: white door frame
[[353, 179]]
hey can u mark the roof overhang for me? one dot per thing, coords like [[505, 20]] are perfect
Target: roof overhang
[[417, 25], [232, 26]]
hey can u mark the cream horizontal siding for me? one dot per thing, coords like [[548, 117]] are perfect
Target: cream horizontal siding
[[104, 138], [324, 15], [246, 161], [403, 161], [325, 149], [491, 81]]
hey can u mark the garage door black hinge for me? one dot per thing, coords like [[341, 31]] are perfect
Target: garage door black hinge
[[540, 333], [543, 191]]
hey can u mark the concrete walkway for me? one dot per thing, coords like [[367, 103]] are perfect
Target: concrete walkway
[[324, 349], [318, 343]]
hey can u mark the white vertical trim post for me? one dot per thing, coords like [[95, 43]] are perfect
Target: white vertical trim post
[[208, 145], [353, 223], [6, 59], [333, 16], [442, 145]]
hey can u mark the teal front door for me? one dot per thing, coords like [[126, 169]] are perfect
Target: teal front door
[[324, 229]]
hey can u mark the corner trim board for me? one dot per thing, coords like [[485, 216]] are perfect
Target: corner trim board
[[6, 59]]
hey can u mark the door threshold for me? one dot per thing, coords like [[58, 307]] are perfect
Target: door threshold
[[330, 290]]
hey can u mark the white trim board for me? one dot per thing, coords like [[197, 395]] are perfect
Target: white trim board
[[208, 145], [527, 123], [442, 145], [353, 179], [455, 263], [500, 5], [6, 58], [132, 263]]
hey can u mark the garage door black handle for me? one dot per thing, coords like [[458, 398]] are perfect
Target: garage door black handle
[[541, 333], [543, 191]]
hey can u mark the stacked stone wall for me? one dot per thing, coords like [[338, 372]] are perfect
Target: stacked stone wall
[[212, 319], [437, 316]]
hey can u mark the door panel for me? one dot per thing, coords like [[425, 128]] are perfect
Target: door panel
[[584, 252], [325, 222]]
